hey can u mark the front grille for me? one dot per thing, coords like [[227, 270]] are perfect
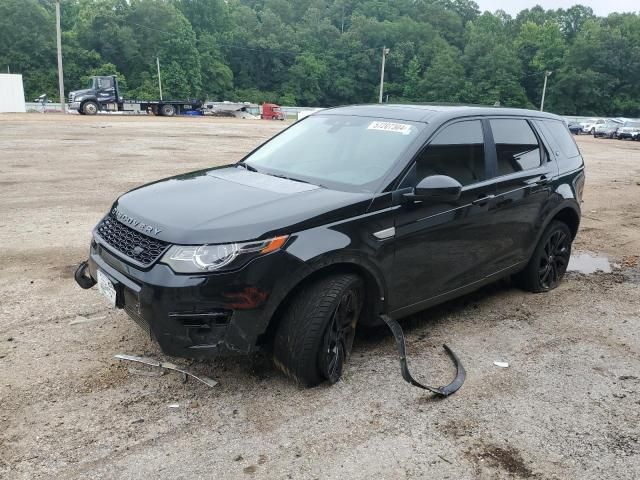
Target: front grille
[[134, 245]]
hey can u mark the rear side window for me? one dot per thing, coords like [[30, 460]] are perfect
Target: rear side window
[[562, 137], [517, 147], [457, 151]]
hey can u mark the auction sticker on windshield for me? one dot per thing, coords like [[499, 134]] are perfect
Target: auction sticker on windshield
[[106, 288], [402, 128]]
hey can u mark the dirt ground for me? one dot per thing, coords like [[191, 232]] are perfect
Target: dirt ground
[[568, 406]]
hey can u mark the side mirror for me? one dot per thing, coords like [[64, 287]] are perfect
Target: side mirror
[[436, 188]]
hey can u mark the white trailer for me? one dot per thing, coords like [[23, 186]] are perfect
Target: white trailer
[[11, 93]]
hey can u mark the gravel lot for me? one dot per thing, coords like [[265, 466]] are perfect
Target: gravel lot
[[568, 407]]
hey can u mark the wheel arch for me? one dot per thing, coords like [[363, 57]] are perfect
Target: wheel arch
[[568, 212], [568, 215], [375, 293]]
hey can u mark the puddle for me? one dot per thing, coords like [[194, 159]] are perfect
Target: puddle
[[585, 262]]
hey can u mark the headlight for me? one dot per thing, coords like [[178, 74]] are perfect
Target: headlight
[[207, 258]]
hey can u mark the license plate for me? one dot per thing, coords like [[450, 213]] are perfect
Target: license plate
[[106, 288]]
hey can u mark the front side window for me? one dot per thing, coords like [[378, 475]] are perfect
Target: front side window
[[337, 151], [105, 83], [517, 147], [457, 152]]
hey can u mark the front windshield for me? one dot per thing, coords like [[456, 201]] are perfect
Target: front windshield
[[341, 152]]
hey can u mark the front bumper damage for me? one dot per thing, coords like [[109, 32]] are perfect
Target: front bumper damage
[[194, 315]]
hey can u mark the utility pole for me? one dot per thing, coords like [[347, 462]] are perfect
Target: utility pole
[[544, 89], [159, 79], [63, 105], [385, 52]]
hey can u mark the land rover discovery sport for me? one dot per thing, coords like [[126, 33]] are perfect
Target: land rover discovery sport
[[346, 215]]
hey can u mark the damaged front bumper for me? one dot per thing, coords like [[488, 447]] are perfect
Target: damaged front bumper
[[194, 315]]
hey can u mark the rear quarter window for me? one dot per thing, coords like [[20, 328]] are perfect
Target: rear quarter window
[[556, 132]]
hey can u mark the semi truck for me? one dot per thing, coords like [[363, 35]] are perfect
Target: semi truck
[[103, 95], [271, 111]]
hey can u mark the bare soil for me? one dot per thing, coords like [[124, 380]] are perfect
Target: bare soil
[[567, 407]]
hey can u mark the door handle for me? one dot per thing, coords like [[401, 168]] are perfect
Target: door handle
[[543, 180], [483, 200]]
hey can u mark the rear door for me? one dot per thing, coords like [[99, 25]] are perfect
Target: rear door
[[440, 247], [523, 172]]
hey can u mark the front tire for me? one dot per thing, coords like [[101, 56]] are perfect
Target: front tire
[[549, 261], [89, 108], [315, 335]]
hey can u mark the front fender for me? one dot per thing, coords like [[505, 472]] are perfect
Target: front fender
[[335, 249]]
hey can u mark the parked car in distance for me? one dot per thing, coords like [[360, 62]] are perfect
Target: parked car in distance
[[630, 130], [575, 128], [589, 126], [349, 214], [608, 129]]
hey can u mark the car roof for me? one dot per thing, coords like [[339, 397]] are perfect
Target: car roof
[[429, 113]]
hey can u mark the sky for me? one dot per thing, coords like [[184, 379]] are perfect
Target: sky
[[600, 7]]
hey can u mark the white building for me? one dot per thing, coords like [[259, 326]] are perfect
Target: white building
[[11, 93]]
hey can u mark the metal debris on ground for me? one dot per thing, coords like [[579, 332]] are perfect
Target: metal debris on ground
[[169, 366], [501, 364], [146, 373], [446, 390], [80, 319]]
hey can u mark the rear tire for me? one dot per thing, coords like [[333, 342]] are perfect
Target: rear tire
[[315, 335], [549, 261], [167, 110]]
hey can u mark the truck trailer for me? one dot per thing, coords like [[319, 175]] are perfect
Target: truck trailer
[[103, 95]]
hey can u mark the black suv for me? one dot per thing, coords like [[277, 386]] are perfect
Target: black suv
[[348, 214]]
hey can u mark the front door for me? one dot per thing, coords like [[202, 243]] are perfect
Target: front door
[[106, 90], [441, 247]]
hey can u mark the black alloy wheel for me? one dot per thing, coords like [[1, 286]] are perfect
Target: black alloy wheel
[[549, 261], [338, 337], [315, 333], [553, 264]]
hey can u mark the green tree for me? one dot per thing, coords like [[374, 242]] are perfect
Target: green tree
[[444, 80], [328, 52], [493, 68], [27, 46]]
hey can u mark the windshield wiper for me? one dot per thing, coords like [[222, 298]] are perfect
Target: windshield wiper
[[247, 166], [254, 169], [289, 178]]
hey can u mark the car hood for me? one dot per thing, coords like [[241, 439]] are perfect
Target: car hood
[[77, 93], [232, 204]]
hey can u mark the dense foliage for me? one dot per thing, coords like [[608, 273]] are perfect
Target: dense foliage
[[327, 52]]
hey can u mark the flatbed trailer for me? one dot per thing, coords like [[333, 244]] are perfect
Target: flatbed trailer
[[103, 95]]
